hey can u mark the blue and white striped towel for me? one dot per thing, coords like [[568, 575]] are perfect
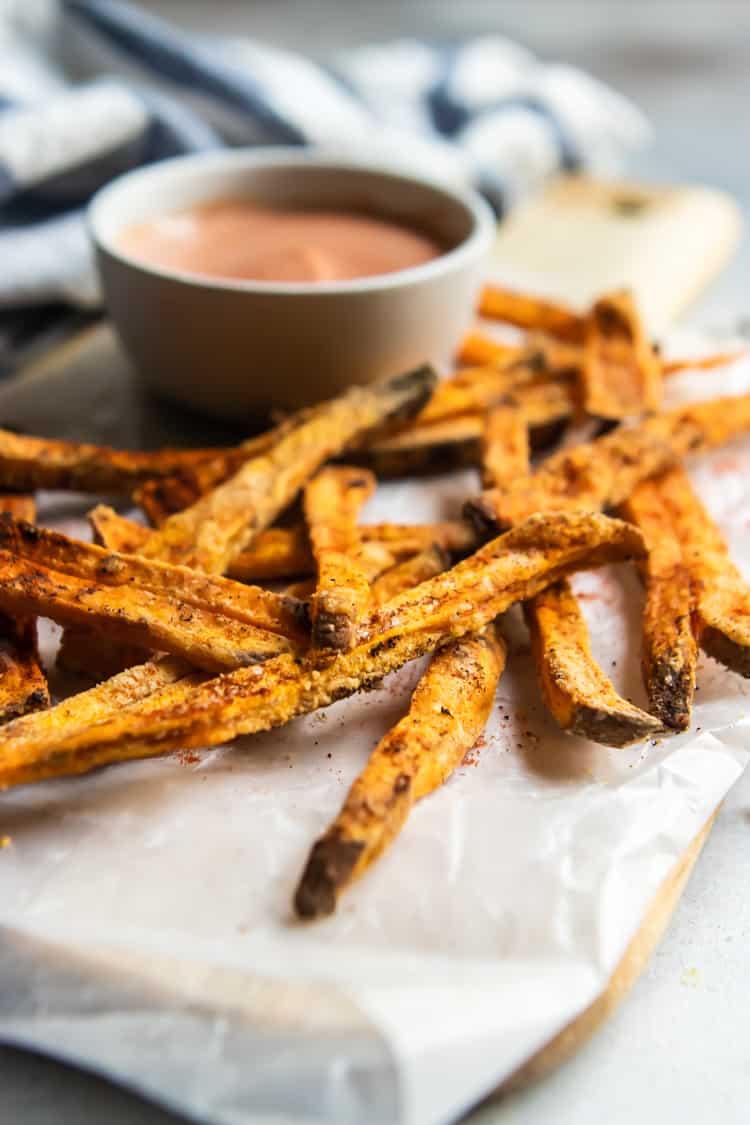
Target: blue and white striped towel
[[90, 88]]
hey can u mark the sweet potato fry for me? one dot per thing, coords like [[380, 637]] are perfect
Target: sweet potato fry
[[332, 502], [505, 448], [39, 733], [532, 313], [281, 552], [575, 689], [604, 472], [463, 600], [27, 463], [100, 567], [23, 684], [721, 595], [478, 350], [670, 652], [134, 616], [621, 372], [448, 712], [701, 363], [553, 356], [456, 442], [208, 535], [419, 568]]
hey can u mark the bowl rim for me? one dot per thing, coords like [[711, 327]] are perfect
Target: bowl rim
[[472, 247]]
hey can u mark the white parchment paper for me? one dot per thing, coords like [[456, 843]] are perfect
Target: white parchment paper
[[145, 909]]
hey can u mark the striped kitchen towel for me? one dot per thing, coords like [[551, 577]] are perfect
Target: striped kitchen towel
[[91, 88]]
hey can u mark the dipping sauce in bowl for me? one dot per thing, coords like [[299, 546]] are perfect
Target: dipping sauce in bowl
[[240, 240]]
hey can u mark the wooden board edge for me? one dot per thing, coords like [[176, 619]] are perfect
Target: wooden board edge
[[631, 965]]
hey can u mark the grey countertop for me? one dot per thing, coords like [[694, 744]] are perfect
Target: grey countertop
[[679, 1048]]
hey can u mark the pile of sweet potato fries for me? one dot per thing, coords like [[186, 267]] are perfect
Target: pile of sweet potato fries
[[184, 626]]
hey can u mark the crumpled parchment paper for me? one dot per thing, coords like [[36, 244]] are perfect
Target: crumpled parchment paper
[[145, 909]]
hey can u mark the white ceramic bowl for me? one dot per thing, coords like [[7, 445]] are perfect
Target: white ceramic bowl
[[240, 348]]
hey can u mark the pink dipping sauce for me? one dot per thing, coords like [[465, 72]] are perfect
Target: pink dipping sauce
[[238, 240]]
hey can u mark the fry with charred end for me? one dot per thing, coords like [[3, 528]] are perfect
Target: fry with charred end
[[27, 463], [249, 604], [670, 652], [463, 600], [23, 684], [505, 448], [134, 616], [576, 691], [448, 712], [721, 595], [603, 473], [332, 502], [621, 372], [456, 442], [211, 533], [532, 313], [419, 568]]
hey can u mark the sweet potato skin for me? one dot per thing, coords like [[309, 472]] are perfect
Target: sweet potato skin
[[463, 600], [448, 712]]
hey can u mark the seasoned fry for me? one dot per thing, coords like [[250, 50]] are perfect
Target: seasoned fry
[[332, 502], [670, 652], [27, 463], [479, 350], [721, 595], [604, 472], [419, 568], [621, 372], [281, 552], [134, 616], [552, 356], [463, 600], [456, 442], [39, 733], [532, 313], [701, 363], [575, 689], [505, 448], [448, 712], [208, 535], [100, 567], [23, 684]]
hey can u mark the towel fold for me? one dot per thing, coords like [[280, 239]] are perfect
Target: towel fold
[[91, 88]]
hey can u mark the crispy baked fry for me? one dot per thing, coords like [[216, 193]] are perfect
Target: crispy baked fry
[[621, 372], [532, 313], [701, 363], [100, 567], [721, 595], [281, 552], [332, 502], [604, 472], [505, 448], [419, 568], [39, 733], [463, 600], [575, 689], [208, 535], [448, 712], [27, 463], [477, 350], [670, 652], [553, 356], [456, 442], [23, 684], [134, 616]]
